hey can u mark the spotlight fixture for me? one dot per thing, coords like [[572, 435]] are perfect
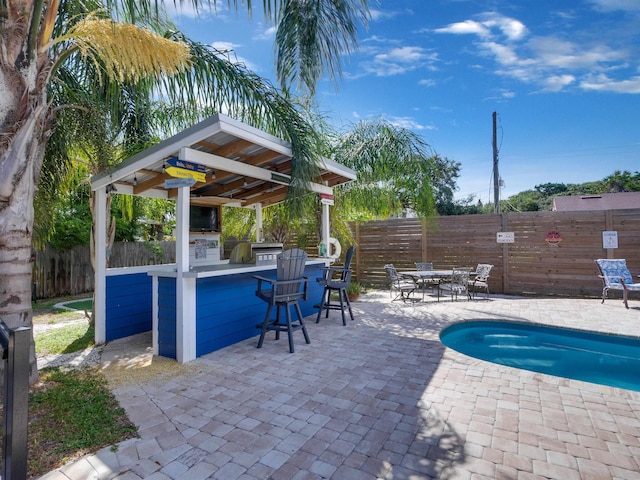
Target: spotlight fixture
[[135, 179], [244, 183], [164, 167], [213, 174], [111, 188]]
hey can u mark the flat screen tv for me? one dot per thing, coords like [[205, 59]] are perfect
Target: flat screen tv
[[204, 219]]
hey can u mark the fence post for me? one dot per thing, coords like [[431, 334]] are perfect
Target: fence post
[[425, 240], [16, 345], [357, 259], [506, 287]]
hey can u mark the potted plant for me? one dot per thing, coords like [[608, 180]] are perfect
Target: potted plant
[[354, 290]]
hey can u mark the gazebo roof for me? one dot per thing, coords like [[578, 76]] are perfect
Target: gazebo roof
[[242, 165]]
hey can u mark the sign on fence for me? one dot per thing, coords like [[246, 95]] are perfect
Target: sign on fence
[[505, 237], [610, 239]]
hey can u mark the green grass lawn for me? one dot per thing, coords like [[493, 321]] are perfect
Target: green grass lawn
[[81, 306], [66, 339], [72, 413]]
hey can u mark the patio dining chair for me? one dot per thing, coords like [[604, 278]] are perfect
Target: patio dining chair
[[426, 281], [616, 276], [481, 279], [401, 285], [458, 284], [284, 292], [337, 279]]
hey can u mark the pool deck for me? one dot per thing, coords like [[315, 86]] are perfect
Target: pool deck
[[381, 398]]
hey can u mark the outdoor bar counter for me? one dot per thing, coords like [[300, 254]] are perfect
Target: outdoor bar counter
[[192, 309], [224, 305]]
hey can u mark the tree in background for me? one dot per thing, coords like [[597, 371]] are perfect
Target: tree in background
[[396, 171], [541, 198]]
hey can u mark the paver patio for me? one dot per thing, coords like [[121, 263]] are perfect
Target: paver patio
[[381, 398]]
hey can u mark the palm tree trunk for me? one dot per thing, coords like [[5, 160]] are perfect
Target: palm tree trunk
[[21, 157]]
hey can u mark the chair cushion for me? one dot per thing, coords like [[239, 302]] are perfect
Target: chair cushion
[[614, 270]]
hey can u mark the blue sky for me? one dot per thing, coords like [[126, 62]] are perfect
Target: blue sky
[[563, 77]]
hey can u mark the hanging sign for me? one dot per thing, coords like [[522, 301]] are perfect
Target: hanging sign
[[280, 178], [610, 239], [180, 169], [326, 199], [505, 237], [179, 182]]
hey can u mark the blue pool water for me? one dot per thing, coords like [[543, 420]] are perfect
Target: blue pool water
[[612, 360]]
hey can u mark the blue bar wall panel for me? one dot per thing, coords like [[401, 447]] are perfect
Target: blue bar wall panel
[[227, 309], [128, 305], [228, 312]]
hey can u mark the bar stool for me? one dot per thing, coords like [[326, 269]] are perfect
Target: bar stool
[[337, 279]]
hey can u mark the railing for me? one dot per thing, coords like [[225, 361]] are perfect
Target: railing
[[15, 344]]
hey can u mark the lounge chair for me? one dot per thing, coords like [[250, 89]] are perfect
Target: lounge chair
[[616, 276]]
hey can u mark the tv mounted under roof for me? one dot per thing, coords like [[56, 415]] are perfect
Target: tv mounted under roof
[[204, 219]]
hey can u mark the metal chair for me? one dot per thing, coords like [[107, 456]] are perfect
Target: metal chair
[[289, 286], [481, 280], [337, 279], [616, 276], [458, 284], [424, 281], [402, 285]]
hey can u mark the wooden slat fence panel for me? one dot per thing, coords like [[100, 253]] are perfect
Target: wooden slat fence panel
[[57, 274], [533, 266]]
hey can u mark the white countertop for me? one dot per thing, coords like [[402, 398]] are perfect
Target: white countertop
[[222, 269]]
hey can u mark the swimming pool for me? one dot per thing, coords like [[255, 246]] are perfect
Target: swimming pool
[[612, 360]]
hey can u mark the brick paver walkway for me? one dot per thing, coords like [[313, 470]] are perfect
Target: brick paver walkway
[[379, 399]]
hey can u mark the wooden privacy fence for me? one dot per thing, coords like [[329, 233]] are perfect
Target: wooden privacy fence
[[530, 265], [70, 273]]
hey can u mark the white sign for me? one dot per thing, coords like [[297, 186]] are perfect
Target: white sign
[[179, 182], [505, 237], [610, 239]]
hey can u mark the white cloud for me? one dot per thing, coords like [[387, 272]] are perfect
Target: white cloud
[[267, 34], [377, 15], [551, 62], [489, 26], [555, 83], [612, 5], [398, 60], [187, 10], [603, 83], [228, 49], [560, 53], [427, 82], [465, 28], [409, 123], [501, 95], [510, 27]]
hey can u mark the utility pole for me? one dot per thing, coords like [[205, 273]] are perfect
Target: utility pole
[[496, 175]]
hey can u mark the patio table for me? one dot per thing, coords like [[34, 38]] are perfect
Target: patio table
[[422, 274]]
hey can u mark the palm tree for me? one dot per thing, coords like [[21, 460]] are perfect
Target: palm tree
[[68, 61]]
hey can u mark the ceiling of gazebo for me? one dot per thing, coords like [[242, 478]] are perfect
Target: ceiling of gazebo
[[243, 166]]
